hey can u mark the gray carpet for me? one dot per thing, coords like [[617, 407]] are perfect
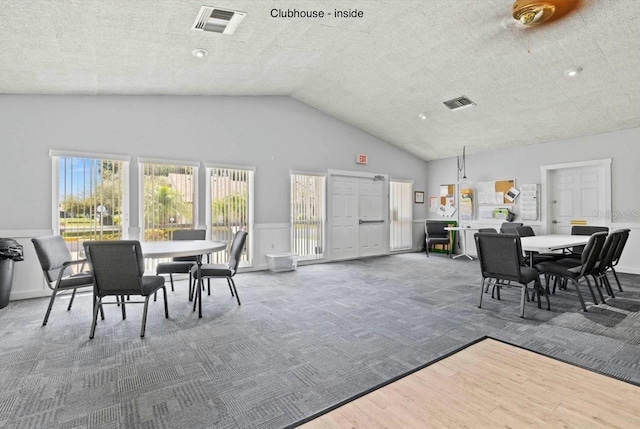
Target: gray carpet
[[300, 342]]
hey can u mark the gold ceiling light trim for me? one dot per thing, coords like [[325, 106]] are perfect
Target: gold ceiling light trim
[[534, 12]]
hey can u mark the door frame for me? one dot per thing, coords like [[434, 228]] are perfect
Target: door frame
[[362, 175], [546, 171]]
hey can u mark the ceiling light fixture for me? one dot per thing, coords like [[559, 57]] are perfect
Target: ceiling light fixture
[[199, 53], [422, 116], [533, 12], [572, 71]]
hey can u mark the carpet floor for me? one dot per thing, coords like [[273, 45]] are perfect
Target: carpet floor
[[301, 342]]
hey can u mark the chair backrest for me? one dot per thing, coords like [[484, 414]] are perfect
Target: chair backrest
[[115, 265], [591, 252], [624, 236], [525, 231], [608, 251], [509, 227], [52, 252], [235, 253], [188, 234], [500, 255], [436, 228], [585, 230], [493, 230]]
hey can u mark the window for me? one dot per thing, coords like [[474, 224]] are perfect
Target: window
[[401, 215], [307, 215], [231, 207], [168, 195], [90, 199]]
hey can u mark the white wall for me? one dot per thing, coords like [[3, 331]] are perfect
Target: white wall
[[274, 134], [523, 164]]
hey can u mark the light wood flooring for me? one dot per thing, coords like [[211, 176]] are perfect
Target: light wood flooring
[[491, 384]]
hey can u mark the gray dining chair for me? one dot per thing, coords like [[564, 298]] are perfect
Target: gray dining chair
[[565, 269], [182, 265], [226, 271], [58, 268], [624, 236], [118, 270], [509, 227], [501, 261]]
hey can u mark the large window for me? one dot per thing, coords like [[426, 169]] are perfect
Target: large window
[[307, 215], [231, 208], [168, 195], [90, 198], [401, 207]]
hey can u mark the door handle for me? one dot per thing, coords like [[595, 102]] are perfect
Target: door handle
[[554, 221], [361, 221]]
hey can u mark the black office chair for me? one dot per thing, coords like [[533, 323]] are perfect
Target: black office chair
[[489, 230], [57, 266], [118, 270], [435, 233], [576, 251], [616, 256], [509, 227], [182, 265], [226, 271], [599, 272], [563, 269], [501, 260]]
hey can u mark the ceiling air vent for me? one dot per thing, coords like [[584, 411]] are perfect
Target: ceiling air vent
[[459, 103], [217, 20]]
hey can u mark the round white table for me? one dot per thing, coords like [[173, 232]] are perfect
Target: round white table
[[178, 248], [463, 240]]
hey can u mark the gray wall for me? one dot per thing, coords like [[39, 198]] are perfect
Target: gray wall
[[274, 134], [523, 164]]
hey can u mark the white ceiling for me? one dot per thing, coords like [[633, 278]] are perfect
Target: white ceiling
[[377, 73]]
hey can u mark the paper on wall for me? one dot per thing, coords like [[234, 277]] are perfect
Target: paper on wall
[[529, 202]]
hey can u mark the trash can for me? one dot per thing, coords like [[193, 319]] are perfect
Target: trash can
[[10, 251]]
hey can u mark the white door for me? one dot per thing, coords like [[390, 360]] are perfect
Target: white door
[[371, 214], [577, 197], [344, 217]]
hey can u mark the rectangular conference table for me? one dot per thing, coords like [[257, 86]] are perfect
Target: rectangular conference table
[[551, 242], [178, 248]]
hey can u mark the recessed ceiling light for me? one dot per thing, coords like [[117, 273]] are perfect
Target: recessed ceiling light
[[422, 116], [572, 71], [200, 53]]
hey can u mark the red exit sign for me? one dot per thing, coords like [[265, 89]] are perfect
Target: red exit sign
[[362, 158]]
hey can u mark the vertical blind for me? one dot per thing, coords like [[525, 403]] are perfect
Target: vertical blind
[[168, 199], [401, 215], [230, 208], [90, 200], [307, 215]]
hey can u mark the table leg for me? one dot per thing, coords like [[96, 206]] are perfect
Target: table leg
[[464, 246]]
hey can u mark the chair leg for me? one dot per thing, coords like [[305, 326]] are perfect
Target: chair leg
[[593, 295], [101, 311], [481, 292], [427, 250], [166, 303], [235, 290], [605, 279], [544, 292], [617, 280], [98, 304], [230, 288], [73, 295], [208, 286], [597, 283], [46, 315], [522, 296], [575, 284], [144, 316], [171, 279], [124, 312]]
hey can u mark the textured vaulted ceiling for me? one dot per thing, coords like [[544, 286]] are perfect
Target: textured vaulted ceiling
[[376, 73]]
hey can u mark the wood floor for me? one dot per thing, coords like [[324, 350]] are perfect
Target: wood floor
[[491, 384]]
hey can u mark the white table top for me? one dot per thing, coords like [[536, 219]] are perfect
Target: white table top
[[177, 248], [548, 243], [461, 228]]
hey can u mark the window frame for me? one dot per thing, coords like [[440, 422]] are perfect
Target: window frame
[[410, 198], [322, 255]]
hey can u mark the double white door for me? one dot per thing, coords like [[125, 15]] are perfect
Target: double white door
[[358, 215]]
